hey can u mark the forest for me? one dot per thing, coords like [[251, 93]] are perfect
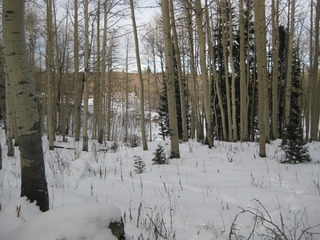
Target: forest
[[212, 69], [108, 71]]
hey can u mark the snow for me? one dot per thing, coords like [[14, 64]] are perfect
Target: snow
[[79, 221], [196, 197]]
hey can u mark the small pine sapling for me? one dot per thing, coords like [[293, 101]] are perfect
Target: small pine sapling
[[139, 165], [134, 141], [160, 156]]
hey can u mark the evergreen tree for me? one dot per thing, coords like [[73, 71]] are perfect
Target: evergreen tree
[[282, 76], [139, 165], [163, 110], [295, 147], [160, 155]]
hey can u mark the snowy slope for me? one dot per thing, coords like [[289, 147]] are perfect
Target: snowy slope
[[195, 197]]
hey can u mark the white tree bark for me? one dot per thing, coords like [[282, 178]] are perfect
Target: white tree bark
[[141, 86], [175, 152], [275, 72], [77, 93], [204, 73], [226, 64], [260, 26], [33, 180], [180, 77]]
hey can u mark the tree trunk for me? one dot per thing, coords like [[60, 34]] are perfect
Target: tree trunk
[[195, 103], [141, 90], [103, 75], [170, 81], [244, 98], [204, 73], [49, 69], [275, 72], [126, 123], [86, 79], [214, 76], [98, 96], [33, 179], [2, 94], [315, 81], [308, 89], [5, 108], [233, 79], [260, 25], [77, 89], [226, 69], [180, 77], [9, 115], [149, 103], [2, 84], [109, 93]]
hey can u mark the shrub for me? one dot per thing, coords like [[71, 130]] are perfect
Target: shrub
[[139, 165], [134, 141], [160, 156]]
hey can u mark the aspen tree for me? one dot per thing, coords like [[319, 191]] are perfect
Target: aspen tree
[[195, 116], [9, 115], [33, 179], [86, 73], [315, 80], [151, 39], [213, 79], [260, 25], [170, 81], [127, 91], [2, 82], [233, 78], [223, 9], [5, 106], [49, 69], [62, 68], [204, 72], [100, 81], [109, 90], [2, 94], [101, 127], [149, 102], [141, 87], [77, 91], [180, 77], [307, 106], [275, 66], [66, 97]]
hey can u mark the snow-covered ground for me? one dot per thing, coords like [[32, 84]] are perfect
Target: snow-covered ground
[[206, 194]]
